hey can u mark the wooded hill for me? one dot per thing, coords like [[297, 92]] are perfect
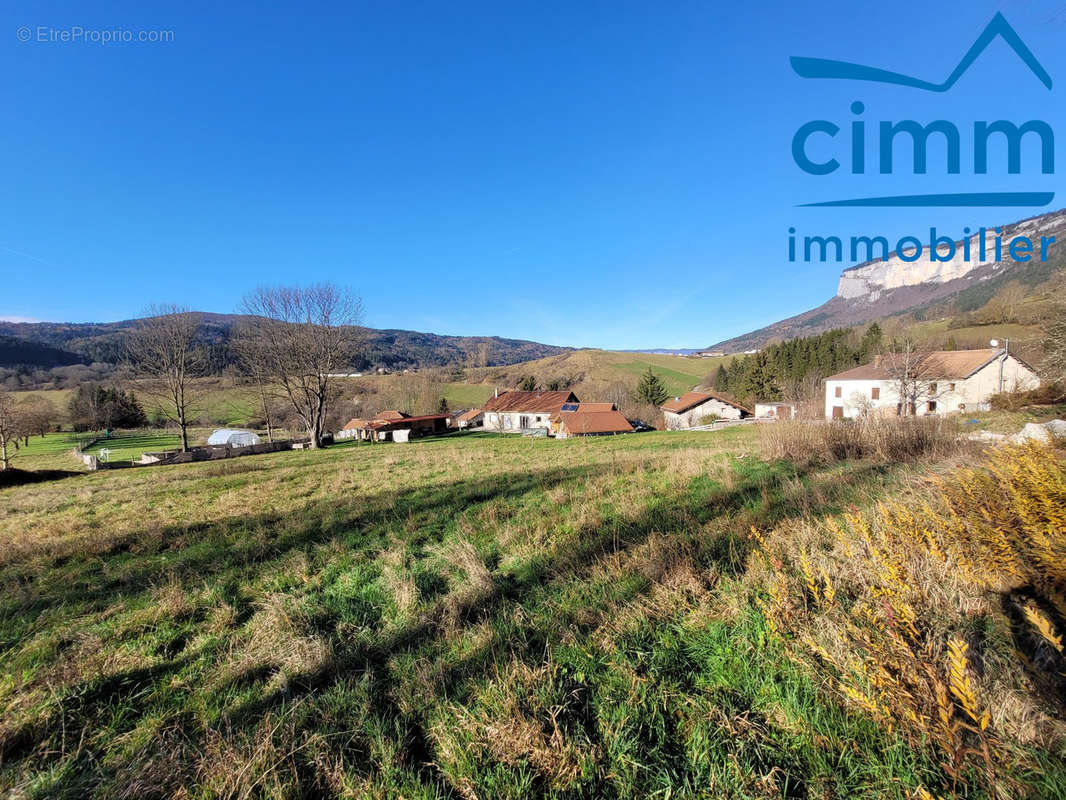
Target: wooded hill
[[51, 344]]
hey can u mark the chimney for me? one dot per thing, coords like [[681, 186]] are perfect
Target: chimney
[[496, 391]]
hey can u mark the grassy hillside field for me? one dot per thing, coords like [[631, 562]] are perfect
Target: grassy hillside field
[[481, 617]]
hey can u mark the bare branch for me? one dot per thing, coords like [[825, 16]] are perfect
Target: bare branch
[[296, 339]]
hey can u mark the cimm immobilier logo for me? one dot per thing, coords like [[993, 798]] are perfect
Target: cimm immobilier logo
[[988, 244]]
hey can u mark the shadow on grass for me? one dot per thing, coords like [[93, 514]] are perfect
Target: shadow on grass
[[237, 550], [21, 477]]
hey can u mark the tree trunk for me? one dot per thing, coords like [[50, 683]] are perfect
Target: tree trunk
[[184, 433], [4, 461]]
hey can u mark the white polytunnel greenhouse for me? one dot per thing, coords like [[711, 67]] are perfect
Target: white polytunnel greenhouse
[[233, 437]]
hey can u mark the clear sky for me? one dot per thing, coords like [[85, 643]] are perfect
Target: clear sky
[[612, 174]]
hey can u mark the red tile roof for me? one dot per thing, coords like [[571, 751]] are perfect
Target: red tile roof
[[577, 423], [596, 407], [529, 402], [390, 415], [941, 364], [690, 400], [468, 416], [558, 415]]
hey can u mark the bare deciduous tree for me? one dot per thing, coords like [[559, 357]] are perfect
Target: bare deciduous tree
[[164, 350], [1054, 366], [914, 373], [10, 426], [38, 415], [297, 338], [253, 363]]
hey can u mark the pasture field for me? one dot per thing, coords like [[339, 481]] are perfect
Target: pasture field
[[475, 616]]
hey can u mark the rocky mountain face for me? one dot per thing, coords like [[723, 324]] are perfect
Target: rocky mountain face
[[881, 288]]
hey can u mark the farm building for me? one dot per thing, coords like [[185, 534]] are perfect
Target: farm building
[[394, 426], [943, 381], [514, 412], [699, 408], [474, 418], [589, 419], [352, 429], [776, 410], [232, 437]]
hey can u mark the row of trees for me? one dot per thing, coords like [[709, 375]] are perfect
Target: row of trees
[[93, 407], [794, 369]]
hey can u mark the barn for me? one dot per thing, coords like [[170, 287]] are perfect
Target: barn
[[696, 408]]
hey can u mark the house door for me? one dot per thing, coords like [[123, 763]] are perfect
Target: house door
[[838, 412]]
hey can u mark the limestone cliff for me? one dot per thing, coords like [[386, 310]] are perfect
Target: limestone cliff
[[892, 286], [871, 280]]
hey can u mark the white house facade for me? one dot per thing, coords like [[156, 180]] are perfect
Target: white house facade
[[950, 381], [694, 408], [514, 412]]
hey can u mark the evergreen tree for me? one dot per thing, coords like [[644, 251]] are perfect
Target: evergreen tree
[[651, 389], [759, 381], [528, 384], [871, 342], [442, 406], [93, 407], [721, 379]]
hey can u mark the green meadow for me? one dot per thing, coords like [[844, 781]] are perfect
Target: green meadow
[[469, 616]]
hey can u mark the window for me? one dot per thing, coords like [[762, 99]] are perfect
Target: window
[[875, 393], [837, 392], [930, 407], [951, 387], [932, 388]]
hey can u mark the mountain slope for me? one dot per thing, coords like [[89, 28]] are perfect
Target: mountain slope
[[48, 344], [877, 289]]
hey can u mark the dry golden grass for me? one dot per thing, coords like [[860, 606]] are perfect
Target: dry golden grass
[[881, 603], [896, 439]]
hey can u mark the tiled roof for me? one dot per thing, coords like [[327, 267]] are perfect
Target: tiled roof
[[584, 422], [690, 400], [529, 402], [596, 407], [468, 416], [390, 415], [941, 364], [571, 408], [357, 422]]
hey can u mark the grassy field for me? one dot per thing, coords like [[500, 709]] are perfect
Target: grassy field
[[54, 450], [473, 616], [129, 445]]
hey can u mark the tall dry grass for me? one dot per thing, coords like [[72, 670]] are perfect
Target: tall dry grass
[[896, 439], [940, 614]]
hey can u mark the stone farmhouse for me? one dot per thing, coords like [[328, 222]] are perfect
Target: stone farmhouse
[[694, 408], [946, 381]]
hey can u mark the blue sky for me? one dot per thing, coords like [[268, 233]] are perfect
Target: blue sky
[[610, 174]]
